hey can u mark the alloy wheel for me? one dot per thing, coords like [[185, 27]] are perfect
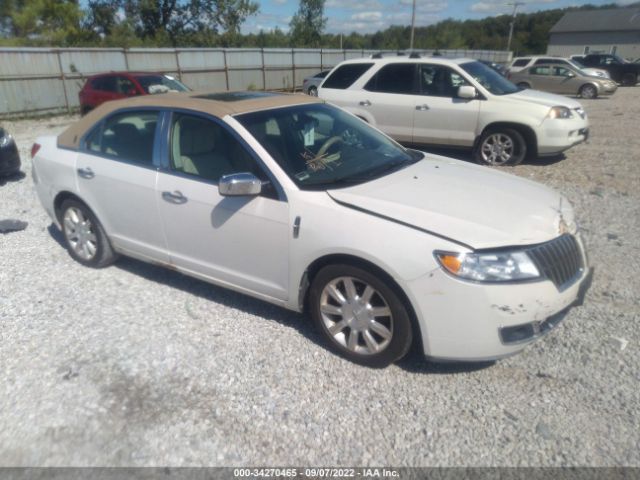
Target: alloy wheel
[[497, 149], [79, 233], [356, 315]]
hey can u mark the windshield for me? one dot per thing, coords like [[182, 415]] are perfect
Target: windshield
[[578, 66], [322, 147], [489, 78], [161, 83]]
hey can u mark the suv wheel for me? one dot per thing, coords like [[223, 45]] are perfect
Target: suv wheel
[[629, 79], [359, 315], [501, 146], [313, 91]]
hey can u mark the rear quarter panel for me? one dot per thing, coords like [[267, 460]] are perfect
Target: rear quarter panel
[[55, 172]]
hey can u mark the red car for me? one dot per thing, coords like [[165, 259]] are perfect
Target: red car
[[115, 85]]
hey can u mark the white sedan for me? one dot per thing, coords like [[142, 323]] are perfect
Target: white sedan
[[301, 204]]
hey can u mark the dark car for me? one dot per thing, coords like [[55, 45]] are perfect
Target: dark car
[[620, 70], [9, 156], [116, 85]]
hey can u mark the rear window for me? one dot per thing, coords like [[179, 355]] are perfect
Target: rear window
[[344, 76], [521, 62]]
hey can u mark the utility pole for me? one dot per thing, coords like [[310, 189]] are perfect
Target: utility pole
[[515, 6], [413, 24]]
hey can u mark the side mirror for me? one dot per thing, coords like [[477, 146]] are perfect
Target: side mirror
[[571, 74], [239, 184], [467, 91]]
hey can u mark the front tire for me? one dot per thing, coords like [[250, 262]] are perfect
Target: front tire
[[360, 316], [501, 146], [84, 236], [588, 91], [523, 85], [313, 91]]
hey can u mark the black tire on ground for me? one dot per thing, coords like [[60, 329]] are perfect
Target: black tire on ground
[[501, 146], [101, 253], [395, 338], [588, 91], [313, 91], [523, 85], [629, 79], [85, 109]]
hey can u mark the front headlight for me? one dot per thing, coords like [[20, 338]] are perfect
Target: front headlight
[[490, 266], [560, 112]]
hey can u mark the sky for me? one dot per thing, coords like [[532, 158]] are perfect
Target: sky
[[367, 16]]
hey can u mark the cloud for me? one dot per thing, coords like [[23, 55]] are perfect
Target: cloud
[[367, 16], [498, 7], [279, 2]]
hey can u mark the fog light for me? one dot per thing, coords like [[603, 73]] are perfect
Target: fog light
[[517, 333]]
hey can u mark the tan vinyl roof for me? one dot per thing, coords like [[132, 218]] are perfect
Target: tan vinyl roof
[[235, 104]]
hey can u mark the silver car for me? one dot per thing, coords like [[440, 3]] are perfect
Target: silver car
[[310, 84], [563, 79]]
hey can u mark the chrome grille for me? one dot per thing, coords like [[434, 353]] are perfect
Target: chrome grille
[[559, 260]]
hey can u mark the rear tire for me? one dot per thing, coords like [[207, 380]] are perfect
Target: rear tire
[[629, 79], [85, 109], [523, 85], [84, 236], [360, 316], [500, 146]]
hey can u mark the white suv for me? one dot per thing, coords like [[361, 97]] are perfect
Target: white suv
[[520, 63], [456, 102]]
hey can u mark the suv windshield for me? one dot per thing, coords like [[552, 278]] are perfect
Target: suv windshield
[[160, 84], [489, 78], [322, 147]]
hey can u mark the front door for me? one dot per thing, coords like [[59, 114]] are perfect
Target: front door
[[235, 241], [439, 116]]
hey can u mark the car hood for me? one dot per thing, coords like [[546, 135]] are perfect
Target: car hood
[[475, 206], [544, 98]]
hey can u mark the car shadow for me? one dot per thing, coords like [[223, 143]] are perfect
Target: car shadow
[[413, 362], [14, 177]]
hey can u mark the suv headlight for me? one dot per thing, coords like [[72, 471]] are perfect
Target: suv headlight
[[560, 112], [500, 266]]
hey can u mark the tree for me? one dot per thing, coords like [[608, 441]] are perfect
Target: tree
[[42, 21], [308, 24]]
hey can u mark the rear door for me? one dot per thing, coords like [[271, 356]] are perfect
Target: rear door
[[117, 174], [390, 97]]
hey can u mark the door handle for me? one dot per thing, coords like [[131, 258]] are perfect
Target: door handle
[[422, 108], [365, 103], [86, 173], [175, 197]]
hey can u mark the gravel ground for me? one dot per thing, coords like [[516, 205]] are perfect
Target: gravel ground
[[136, 365]]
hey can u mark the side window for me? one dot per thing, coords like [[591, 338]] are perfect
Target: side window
[[548, 61], [125, 86], [105, 84], [128, 136], [204, 149], [521, 62], [545, 70], [344, 76], [561, 71], [440, 81], [394, 78]]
